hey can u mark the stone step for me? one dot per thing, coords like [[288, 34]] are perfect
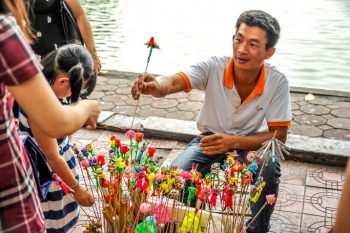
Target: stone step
[[303, 148]]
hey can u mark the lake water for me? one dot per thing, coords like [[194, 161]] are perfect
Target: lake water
[[314, 49]]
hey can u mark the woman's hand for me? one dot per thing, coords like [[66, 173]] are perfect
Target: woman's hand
[[94, 110], [97, 63]]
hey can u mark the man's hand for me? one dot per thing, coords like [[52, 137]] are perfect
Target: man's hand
[[145, 84], [216, 143]]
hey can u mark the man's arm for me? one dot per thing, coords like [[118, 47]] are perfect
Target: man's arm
[[222, 143], [157, 87]]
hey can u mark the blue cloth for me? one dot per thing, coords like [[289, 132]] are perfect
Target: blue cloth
[[271, 173]]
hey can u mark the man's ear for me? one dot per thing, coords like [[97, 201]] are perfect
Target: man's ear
[[270, 52]]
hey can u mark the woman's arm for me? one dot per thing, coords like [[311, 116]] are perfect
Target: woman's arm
[[42, 106], [58, 165], [342, 223], [85, 30]]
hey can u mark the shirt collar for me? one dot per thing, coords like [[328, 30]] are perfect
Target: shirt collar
[[229, 79]]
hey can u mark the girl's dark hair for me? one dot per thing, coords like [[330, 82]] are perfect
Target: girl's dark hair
[[75, 61], [264, 21]]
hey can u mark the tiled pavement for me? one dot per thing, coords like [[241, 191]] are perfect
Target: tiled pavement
[[308, 195], [325, 114]]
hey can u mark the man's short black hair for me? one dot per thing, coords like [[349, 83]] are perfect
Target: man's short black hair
[[264, 21]]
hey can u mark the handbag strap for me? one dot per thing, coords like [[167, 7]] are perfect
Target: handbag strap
[[66, 12]]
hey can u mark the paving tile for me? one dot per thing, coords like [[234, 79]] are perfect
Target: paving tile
[[181, 145], [339, 123], [163, 144], [315, 224], [171, 156], [337, 134], [321, 202], [325, 177], [87, 134], [285, 222], [290, 198], [293, 173]]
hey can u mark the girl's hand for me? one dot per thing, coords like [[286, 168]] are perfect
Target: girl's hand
[[83, 197]]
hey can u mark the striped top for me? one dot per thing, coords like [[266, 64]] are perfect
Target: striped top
[[61, 211], [19, 203]]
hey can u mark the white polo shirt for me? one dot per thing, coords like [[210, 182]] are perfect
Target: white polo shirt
[[222, 110]]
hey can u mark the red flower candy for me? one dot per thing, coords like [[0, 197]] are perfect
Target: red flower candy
[[101, 159], [139, 137], [117, 142], [151, 151], [124, 149]]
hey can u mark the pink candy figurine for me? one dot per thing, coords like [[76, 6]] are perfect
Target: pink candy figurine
[[65, 188], [145, 208], [271, 199], [85, 163], [130, 134]]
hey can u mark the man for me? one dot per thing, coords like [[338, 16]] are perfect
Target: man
[[246, 102]]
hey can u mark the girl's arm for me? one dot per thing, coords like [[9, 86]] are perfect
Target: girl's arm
[[37, 99], [58, 165], [85, 30]]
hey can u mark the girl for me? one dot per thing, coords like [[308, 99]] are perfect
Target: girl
[[19, 75], [70, 72]]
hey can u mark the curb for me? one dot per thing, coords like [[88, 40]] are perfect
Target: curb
[[305, 149]]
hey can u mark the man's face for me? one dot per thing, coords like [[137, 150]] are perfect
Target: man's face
[[249, 47]]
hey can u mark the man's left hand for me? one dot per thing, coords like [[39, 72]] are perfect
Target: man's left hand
[[216, 143]]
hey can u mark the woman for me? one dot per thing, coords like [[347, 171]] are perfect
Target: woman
[[47, 22], [20, 75], [342, 223]]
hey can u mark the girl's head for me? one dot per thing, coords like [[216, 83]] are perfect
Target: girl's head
[[70, 71]]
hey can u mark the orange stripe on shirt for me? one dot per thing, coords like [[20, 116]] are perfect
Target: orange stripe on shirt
[[187, 81], [281, 123], [259, 88]]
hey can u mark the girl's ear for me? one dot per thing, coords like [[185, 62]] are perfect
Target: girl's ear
[[61, 80], [61, 86]]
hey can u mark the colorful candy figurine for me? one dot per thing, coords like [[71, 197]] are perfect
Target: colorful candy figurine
[[229, 191], [271, 199], [191, 223], [65, 188], [256, 193], [191, 193], [145, 208], [215, 192]]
